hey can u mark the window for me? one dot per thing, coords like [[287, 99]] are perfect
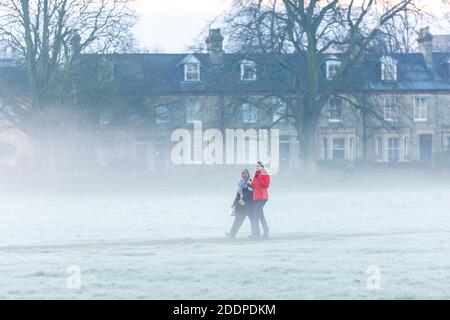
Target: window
[[332, 69], [249, 113], [325, 149], [393, 150], [406, 148], [388, 69], [339, 149], [248, 71], [162, 114], [380, 150], [192, 72], [280, 110], [389, 72], [421, 109], [390, 109], [448, 143], [193, 111], [335, 109]]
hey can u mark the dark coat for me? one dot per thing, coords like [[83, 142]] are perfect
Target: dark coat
[[247, 196]]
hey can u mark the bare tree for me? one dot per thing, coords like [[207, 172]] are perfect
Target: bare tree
[[47, 37], [310, 30], [399, 34]]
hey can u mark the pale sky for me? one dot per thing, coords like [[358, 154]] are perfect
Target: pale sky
[[172, 25]]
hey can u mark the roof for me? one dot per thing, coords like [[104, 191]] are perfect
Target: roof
[[163, 74], [13, 79]]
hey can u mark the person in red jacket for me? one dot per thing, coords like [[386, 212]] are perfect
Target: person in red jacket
[[260, 184]]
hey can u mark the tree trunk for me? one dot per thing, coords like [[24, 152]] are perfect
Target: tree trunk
[[307, 135]]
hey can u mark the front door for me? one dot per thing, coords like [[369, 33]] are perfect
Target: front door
[[426, 149]]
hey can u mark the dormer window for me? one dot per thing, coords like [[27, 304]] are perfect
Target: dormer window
[[248, 70], [191, 69], [192, 72], [332, 68], [388, 68]]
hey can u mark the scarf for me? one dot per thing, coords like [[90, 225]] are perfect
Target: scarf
[[243, 184]]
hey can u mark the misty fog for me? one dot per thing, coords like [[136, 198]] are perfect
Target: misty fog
[[122, 171]]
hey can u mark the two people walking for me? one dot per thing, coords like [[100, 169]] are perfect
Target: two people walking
[[250, 200]]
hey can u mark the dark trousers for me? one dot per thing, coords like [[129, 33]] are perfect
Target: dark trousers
[[257, 217], [238, 221]]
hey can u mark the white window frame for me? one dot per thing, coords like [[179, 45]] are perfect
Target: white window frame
[[329, 64], [419, 110], [189, 72], [389, 70], [341, 105], [193, 106], [334, 149], [244, 74], [160, 120], [390, 104], [380, 149], [249, 113], [388, 75], [407, 148], [393, 149]]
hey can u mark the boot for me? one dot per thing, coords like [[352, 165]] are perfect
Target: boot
[[266, 233], [229, 236]]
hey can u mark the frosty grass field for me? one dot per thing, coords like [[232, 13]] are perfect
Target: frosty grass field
[[164, 240]]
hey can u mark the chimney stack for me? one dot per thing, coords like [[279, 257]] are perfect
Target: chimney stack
[[75, 44], [425, 41], [214, 44]]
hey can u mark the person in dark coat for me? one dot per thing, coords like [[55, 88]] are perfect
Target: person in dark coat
[[243, 203]]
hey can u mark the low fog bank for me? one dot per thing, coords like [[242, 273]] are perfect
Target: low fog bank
[[222, 181]]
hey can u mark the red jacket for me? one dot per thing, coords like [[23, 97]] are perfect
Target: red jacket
[[260, 184]]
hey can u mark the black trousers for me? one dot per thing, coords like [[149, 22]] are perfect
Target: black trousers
[[257, 217], [238, 221]]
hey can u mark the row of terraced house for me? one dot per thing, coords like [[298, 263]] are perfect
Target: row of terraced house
[[144, 97]]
